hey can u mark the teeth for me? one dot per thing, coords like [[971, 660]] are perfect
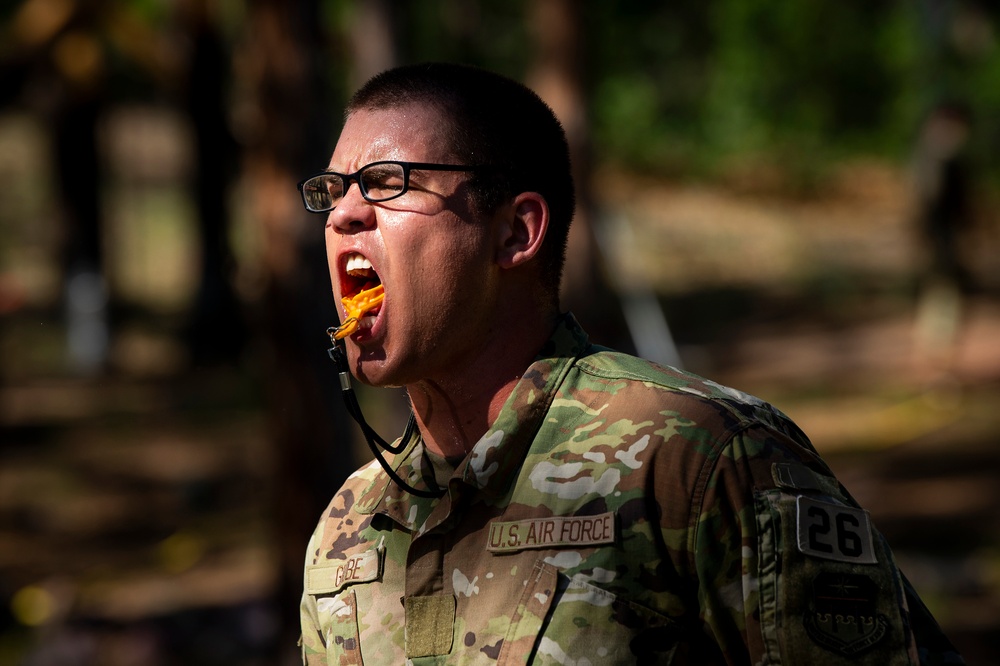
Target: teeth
[[357, 263]]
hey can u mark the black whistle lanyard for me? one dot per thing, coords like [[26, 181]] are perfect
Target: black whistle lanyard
[[338, 354]]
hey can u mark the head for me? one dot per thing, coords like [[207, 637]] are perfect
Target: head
[[469, 259], [494, 121], [947, 127]]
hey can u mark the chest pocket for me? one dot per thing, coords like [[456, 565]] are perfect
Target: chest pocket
[[339, 620], [565, 619], [332, 583]]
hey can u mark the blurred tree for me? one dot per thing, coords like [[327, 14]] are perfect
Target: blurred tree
[[373, 38], [216, 329], [61, 51], [557, 75], [288, 124], [64, 60]]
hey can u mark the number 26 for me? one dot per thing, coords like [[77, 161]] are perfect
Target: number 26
[[844, 527]]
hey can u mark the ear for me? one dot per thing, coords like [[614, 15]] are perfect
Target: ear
[[522, 229]]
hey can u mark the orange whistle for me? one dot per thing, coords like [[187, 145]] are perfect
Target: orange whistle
[[356, 307]]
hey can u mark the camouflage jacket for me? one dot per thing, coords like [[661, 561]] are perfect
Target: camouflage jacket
[[616, 512]]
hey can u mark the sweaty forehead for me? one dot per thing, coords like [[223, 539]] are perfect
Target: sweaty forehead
[[411, 133]]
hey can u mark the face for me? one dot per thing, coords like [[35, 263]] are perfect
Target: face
[[431, 253]]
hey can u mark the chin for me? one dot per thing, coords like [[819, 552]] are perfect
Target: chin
[[376, 381], [371, 368]]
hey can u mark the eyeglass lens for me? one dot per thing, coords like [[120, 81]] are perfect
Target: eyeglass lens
[[379, 182]]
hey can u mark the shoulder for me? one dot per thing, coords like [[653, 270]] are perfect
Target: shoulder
[[609, 365], [358, 484], [619, 382], [670, 431], [340, 522], [633, 427]]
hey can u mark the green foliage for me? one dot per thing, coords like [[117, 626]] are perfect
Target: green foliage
[[687, 86], [488, 33], [647, 65], [738, 77], [691, 86]]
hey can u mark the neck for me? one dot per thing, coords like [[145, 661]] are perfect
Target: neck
[[455, 410]]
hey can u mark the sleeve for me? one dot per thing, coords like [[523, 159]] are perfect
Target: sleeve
[[791, 570], [311, 640]]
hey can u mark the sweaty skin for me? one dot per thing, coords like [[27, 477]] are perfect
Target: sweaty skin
[[355, 307]]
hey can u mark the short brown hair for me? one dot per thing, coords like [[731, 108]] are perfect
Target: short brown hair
[[498, 122]]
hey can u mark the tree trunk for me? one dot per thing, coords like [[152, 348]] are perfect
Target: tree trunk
[[557, 76], [290, 138]]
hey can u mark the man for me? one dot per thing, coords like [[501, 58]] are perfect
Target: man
[[556, 502]]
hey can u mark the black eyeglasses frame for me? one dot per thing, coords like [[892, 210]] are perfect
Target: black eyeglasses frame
[[348, 178]]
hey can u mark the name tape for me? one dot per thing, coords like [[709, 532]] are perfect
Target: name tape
[[332, 576], [548, 532]]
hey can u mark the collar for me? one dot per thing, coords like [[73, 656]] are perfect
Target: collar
[[492, 464]]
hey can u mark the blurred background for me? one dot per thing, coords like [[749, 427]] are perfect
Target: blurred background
[[797, 199]]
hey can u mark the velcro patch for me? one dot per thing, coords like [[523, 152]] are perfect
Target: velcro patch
[[430, 625], [333, 575], [800, 477], [834, 532], [549, 532]]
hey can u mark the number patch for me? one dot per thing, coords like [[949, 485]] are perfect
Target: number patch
[[834, 532]]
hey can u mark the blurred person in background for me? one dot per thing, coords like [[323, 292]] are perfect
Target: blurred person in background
[[942, 183], [553, 501]]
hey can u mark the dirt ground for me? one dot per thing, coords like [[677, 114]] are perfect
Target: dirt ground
[[136, 507]]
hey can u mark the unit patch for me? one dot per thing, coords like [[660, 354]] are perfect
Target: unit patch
[[842, 616], [834, 532], [548, 532]]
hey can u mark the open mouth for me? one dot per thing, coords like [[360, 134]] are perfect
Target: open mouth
[[360, 276], [361, 295]]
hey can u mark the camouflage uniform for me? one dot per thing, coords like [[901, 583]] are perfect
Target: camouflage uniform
[[616, 512]]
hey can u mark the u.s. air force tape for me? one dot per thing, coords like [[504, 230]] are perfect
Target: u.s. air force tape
[[551, 532], [834, 532]]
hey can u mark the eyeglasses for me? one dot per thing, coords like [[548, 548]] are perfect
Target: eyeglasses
[[378, 181]]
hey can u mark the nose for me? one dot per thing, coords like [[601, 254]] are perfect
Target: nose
[[353, 213]]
